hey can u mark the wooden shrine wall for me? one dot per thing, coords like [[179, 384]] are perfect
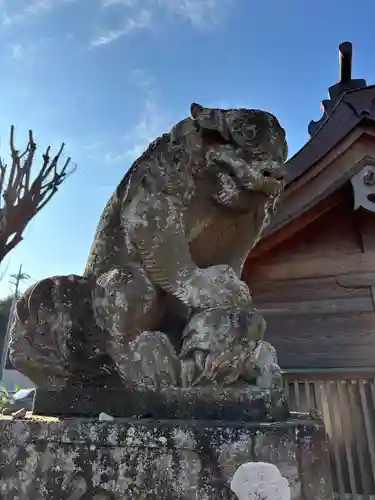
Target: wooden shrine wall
[[317, 292]]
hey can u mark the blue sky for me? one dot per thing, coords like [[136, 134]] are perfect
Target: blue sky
[[108, 76]]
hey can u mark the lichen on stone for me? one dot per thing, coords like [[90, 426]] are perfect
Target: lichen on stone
[[126, 459]]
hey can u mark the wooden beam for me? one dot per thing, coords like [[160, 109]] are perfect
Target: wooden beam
[[314, 268]]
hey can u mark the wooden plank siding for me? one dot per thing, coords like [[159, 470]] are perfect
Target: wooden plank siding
[[348, 409], [317, 292]]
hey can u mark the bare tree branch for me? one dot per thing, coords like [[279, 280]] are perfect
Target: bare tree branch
[[23, 197]]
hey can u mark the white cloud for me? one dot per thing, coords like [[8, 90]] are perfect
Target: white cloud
[[152, 123], [154, 119], [12, 12], [26, 53], [111, 3], [143, 80], [17, 51], [198, 12], [37, 7], [141, 21], [139, 13], [125, 16]]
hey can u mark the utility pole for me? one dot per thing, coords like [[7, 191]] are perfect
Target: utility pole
[[17, 278]]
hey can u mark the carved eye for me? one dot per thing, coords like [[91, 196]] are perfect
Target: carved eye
[[244, 130]]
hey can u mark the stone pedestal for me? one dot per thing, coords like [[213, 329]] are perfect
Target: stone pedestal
[[135, 459], [200, 403]]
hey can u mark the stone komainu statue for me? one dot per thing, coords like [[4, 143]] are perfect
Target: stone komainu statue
[[161, 301]]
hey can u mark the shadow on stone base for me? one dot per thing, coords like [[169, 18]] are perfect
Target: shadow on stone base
[[84, 459], [248, 404]]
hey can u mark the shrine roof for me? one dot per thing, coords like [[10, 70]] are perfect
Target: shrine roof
[[351, 101]]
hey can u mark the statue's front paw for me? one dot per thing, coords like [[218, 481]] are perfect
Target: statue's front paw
[[222, 369], [218, 346]]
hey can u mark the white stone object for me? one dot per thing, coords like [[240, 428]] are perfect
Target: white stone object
[[105, 417], [260, 481]]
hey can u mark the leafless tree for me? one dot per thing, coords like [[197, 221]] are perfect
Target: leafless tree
[[22, 194]]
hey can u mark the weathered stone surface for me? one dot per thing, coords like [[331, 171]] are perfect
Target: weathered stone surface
[[279, 449], [248, 404], [308, 452], [79, 459], [161, 302]]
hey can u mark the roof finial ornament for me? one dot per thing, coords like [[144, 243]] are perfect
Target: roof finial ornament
[[345, 84], [345, 61]]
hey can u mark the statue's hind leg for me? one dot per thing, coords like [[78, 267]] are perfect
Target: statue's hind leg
[[129, 311], [70, 329]]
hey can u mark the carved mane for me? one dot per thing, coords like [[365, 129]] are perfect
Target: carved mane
[[172, 150]]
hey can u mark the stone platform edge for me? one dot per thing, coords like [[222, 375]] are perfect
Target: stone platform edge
[[248, 404], [115, 432]]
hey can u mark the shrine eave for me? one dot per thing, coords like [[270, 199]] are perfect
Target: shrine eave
[[354, 108], [321, 171]]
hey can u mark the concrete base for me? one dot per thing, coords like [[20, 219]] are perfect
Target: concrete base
[[128, 459]]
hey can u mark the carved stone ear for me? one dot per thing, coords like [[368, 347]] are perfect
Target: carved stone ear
[[195, 110], [210, 119]]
